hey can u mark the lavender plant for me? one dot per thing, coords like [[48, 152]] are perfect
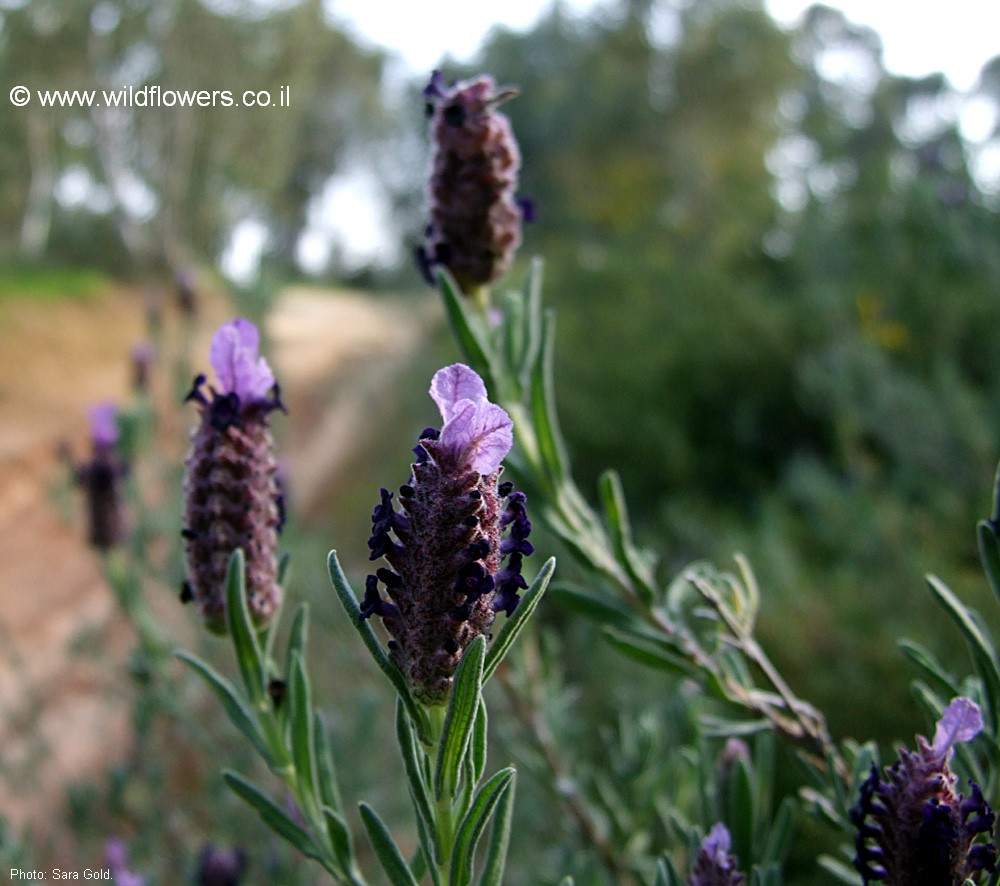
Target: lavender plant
[[453, 553], [455, 557]]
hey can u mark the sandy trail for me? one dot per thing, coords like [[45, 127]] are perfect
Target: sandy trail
[[58, 719]]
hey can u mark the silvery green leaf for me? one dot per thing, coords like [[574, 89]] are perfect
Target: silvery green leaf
[[393, 863], [496, 851], [463, 705], [241, 630], [235, 707], [474, 823], [273, 815]]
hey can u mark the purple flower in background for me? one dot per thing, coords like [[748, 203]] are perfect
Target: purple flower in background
[[455, 550], [104, 424], [232, 498], [143, 355], [913, 828], [475, 219], [714, 866], [218, 866], [116, 858], [101, 477]]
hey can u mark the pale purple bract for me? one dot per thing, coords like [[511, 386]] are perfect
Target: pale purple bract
[[234, 355], [479, 430]]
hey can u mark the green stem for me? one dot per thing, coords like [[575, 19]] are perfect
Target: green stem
[[444, 824]]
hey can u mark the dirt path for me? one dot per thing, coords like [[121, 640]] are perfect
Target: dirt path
[[57, 721]]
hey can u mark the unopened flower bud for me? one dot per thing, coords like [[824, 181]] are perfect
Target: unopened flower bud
[[218, 866], [101, 480], [143, 354], [475, 219], [455, 549], [231, 495]]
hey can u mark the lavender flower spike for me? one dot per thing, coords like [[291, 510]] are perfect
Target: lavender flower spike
[[714, 866], [913, 828], [101, 480], [230, 486], [455, 550], [475, 220]]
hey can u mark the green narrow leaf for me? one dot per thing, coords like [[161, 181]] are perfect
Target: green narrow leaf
[[989, 553], [472, 826], [241, 630], [843, 872], [496, 849], [393, 863], [514, 341], [298, 637], [478, 747], [273, 815], [284, 565], [933, 671], [340, 838], [616, 511], [301, 723], [603, 609], [779, 839], [649, 652], [532, 321], [235, 707], [666, 873], [550, 441], [506, 636], [427, 841], [983, 653], [470, 337], [459, 718], [326, 773], [350, 604], [411, 753]]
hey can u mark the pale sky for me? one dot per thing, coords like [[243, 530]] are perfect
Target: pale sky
[[920, 36]]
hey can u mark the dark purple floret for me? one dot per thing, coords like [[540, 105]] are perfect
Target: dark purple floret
[[913, 829], [418, 450], [446, 548]]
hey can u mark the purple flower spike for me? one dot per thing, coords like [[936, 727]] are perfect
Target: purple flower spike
[[232, 496], [475, 219], [475, 430], [101, 477], [104, 424], [239, 369], [912, 826], [455, 548], [714, 866]]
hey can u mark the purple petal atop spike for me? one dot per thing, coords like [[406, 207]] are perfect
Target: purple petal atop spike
[[961, 721], [453, 384], [718, 842], [103, 424], [483, 430], [239, 369]]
